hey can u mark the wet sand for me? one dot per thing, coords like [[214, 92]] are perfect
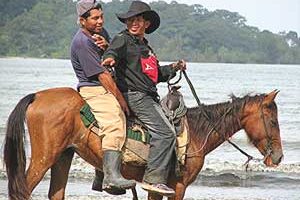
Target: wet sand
[[226, 186], [81, 190]]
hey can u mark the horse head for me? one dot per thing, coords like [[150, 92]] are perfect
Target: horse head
[[260, 122]]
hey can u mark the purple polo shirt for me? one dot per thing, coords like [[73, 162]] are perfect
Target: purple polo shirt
[[86, 58]]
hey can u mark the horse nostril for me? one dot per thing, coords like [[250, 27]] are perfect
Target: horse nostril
[[277, 160], [280, 159]]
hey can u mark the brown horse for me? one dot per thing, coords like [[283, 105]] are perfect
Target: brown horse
[[56, 132]]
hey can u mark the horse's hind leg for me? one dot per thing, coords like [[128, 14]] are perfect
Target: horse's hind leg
[[37, 169], [59, 175]]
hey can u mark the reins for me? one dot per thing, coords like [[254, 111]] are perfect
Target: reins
[[191, 87], [175, 82], [249, 157]]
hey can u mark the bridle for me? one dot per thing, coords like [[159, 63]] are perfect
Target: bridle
[[269, 136], [226, 138], [269, 141]]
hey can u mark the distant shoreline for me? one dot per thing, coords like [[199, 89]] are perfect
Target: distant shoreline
[[37, 58]]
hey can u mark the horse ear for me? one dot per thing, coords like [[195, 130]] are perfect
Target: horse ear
[[175, 87], [270, 97]]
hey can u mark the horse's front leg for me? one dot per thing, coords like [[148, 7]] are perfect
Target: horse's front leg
[[153, 196], [59, 175], [192, 168], [179, 192]]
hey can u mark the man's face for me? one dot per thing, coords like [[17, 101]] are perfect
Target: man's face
[[137, 25], [93, 23]]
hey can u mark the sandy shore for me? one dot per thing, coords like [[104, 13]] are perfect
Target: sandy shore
[[70, 197], [81, 177]]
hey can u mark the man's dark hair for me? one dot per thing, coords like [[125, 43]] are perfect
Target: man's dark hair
[[97, 6]]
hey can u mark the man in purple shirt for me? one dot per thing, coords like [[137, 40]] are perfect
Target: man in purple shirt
[[99, 90]]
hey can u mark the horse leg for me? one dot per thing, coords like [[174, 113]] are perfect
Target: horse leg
[[59, 175], [41, 159], [36, 171], [154, 196], [179, 192]]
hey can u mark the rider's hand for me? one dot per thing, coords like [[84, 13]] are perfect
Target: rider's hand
[[100, 41], [179, 65], [124, 106], [108, 62]]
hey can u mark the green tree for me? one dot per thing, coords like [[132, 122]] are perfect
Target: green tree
[[45, 29]]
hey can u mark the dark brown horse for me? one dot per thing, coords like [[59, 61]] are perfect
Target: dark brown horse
[[56, 132]]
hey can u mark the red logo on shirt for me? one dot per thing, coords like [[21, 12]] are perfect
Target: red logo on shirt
[[150, 67]]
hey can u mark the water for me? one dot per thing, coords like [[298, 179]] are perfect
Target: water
[[223, 175]]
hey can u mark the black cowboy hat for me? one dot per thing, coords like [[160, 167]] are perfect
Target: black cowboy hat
[[137, 8]]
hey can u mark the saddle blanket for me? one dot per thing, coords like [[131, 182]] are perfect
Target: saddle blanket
[[136, 148]]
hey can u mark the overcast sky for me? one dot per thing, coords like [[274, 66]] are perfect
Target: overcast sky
[[272, 15]]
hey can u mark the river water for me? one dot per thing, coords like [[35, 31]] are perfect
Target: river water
[[223, 175]]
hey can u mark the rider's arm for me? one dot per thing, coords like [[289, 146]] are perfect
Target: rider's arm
[[116, 49], [169, 71], [166, 71], [109, 84]]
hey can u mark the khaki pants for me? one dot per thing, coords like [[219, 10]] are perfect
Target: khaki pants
[[109, 116]]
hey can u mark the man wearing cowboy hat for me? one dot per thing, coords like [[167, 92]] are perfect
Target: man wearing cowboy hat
[[137, 73], [99, 90]]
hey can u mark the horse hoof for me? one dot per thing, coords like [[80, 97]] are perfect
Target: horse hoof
[[114, 190]]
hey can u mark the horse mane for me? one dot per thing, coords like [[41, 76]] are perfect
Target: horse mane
[[203, 118]]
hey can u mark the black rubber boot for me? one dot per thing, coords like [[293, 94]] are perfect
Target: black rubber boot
[[112, 176], [97, 184]]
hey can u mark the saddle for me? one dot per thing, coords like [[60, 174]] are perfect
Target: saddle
[[137, 144]]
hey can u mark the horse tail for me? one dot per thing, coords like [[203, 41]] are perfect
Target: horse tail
[[14, 152]]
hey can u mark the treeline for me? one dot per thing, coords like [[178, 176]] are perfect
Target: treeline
[[45, 28]]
